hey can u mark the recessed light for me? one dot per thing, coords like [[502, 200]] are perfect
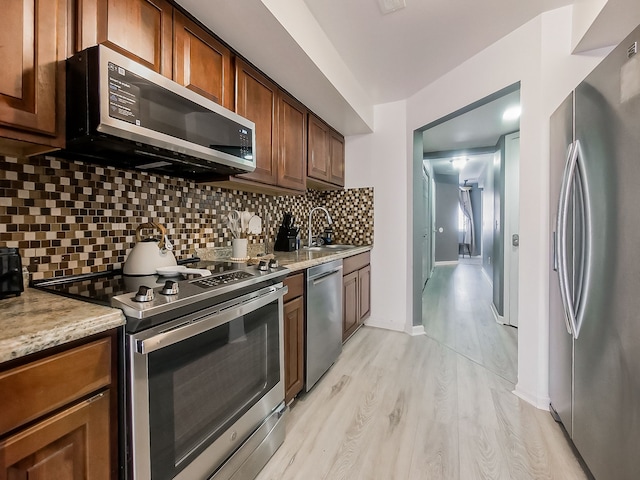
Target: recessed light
[[388, 6], [458, 162], [512, 113]]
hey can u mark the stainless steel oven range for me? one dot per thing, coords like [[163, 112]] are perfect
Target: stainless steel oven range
[[203, 360]]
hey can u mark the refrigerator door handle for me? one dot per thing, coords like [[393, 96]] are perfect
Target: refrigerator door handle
[[585, 257], [561, 229]]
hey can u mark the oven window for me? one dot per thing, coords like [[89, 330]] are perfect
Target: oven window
[[199, 387]]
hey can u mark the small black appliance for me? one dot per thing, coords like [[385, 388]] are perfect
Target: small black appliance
[[10, 273]]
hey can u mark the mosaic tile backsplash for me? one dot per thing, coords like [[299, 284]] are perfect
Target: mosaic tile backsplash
[[72, 217]]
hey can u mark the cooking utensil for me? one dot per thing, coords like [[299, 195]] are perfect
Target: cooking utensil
[[255, 225], [234, 223], [244, 219], [149, 254]]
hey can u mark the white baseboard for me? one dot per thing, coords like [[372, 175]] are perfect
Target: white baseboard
[[416, 330], [448, 262], [384, 325], [486, 277], [498, 318], [541, 403]]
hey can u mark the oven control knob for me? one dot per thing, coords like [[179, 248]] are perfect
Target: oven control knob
[[263, 266], [170, 288], [273, 263], [145, 294]]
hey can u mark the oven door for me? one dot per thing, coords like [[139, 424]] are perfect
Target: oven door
[[200, 385]]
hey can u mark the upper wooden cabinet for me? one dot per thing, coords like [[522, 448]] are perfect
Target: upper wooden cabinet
[[257, 100], [202, 63], [292, 136], [281, 134], [336, 158], [139, 29], [325, 162], [33, 45], [318, 160]]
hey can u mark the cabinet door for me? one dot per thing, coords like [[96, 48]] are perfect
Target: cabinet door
[[138, 29], [336, 156], [364, 293], [72, 445], [351, 316], [202, 63], [292, 127], [318, 159], [257, 100], [32, 40], [293, 348]]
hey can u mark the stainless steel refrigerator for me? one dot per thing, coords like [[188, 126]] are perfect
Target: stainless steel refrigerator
[[595, 265]]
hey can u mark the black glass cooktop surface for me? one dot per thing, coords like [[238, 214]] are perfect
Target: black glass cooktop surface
[[101, 287]]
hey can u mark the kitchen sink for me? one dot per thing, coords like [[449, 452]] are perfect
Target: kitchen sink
[[329, 248]]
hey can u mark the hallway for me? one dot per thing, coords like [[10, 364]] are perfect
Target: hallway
[[456, 312]]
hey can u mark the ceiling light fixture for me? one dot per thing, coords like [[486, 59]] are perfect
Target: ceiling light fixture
[[388, 6], [459, 162], [512, 113]]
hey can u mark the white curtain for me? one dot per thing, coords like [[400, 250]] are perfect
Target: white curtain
[[468, 236]]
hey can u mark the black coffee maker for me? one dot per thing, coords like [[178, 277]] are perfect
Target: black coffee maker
[[286, 240], [10, 273]]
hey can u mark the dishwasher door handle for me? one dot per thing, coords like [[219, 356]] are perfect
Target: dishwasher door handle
[[323, 276]]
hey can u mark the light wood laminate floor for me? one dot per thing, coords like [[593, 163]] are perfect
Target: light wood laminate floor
[[456, 311], [400, 407]]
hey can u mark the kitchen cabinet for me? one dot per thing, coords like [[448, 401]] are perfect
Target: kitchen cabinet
[[33, 41], [336, 158], [325, 163], [257, 100], [356, 285], [294, 336], [281, 135], [202, 63], [292, 143], [59, 415], [139, 29]]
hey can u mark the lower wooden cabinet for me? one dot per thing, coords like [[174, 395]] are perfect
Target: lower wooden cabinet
[[350, 315], [356, 293], [59, 417], [294, 337], [71, 445]]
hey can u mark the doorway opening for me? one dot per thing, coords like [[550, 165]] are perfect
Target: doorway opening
[[466, 213]]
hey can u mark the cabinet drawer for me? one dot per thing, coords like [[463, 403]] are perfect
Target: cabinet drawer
[[35, 389], [351, 264], [296, 286]]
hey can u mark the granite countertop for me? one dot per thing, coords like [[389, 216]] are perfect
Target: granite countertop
[[294, 261], [302, 259], [37, 320]]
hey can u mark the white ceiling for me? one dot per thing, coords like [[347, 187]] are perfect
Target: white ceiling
[[480, 127], [394, 56], [472, 171], [388, 57]]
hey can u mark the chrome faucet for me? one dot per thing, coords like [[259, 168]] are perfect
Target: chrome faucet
[[309, 239]]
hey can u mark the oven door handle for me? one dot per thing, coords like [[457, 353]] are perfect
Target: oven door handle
[[207, 322]]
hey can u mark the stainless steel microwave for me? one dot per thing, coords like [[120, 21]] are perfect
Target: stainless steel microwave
[[123, 114]]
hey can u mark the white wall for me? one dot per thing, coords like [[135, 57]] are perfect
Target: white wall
[[378, 160], [537, 55]]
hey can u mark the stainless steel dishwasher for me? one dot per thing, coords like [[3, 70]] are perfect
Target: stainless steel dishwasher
[[323, 339]]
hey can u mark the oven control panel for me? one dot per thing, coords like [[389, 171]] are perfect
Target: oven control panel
[[215, 281]]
